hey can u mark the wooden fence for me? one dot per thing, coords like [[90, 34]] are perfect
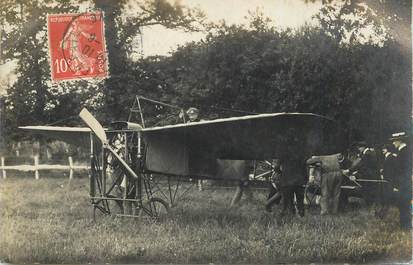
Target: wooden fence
[[36, 167]]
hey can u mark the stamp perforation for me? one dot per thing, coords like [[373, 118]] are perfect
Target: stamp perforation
[[83, 51]]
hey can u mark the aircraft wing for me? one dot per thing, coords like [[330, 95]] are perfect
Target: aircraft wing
[[79, 136], [206, 148], [192, 148]]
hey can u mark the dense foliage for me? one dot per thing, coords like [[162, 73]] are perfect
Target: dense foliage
[[329, 69], [363, 86], [33, 98]]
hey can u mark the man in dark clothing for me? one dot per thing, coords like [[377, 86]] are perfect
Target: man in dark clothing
[[403, 166], [366, 163], [390, 166], [365, 166], [193, 116], [274, 196], [388, 191], [292, 181]]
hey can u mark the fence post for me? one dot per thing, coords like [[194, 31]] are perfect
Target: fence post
[[71, 167], [36, 167], [3, 169], [18, 149]]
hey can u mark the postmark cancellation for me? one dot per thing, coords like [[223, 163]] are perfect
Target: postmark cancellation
[[77, 46]]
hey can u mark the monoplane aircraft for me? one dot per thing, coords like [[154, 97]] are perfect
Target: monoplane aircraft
[[130, 165]]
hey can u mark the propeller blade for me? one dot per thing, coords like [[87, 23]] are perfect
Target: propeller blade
[[94, 125], [122, 161], [97, 128]]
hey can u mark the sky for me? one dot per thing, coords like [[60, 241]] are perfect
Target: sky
[[284, 13], [160, 41]]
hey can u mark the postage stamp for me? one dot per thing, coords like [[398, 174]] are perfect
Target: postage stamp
[[77, 46]]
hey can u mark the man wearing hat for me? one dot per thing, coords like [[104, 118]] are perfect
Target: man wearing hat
[[193, 114], [365, 166], [403, 166]]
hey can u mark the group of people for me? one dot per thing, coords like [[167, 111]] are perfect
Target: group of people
[[362, 166]]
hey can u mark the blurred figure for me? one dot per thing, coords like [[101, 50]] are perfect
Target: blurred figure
[[243, 186], [239, 168], [274, 196], [313, 188]]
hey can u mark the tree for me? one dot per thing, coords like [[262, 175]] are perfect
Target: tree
[[394, 16], [26, 42], [262, 69], [390, 23], [33, 99], [351, 21], [121, 31]]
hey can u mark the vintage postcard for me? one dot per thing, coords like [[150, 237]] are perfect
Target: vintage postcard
[[206, 131]]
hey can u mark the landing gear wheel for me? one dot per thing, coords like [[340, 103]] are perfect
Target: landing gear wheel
[[156, 208]]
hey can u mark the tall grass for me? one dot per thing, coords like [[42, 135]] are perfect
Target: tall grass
[[50, 221]]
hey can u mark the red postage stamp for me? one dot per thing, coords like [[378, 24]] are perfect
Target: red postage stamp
[[77, 46]]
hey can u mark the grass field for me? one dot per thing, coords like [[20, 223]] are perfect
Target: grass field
[[50, 221]]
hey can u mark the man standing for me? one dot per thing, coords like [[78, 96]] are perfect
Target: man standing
[[404, 173], [331, 179], [274, 196], [292, 181], [390, 166], [388, 173], [293, 173]]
